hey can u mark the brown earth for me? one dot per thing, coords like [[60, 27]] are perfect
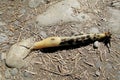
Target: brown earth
[[83, 63]]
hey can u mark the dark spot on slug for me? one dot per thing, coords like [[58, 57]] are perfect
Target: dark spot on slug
[[71, 41], [88, 36], [98, 36], [94, 38], [78, 39], [83, 38], [52, 39], [63, 40]]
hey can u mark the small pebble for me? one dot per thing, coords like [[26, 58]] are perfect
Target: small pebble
[[14, 71], [43, 34], [97, 73], [27, 74], [96, 44]]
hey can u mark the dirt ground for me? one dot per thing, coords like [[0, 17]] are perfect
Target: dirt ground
[[83, 63]]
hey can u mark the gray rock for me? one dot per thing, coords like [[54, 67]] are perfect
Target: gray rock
[[63, 13], [94, 30], [3, 37], [7, 74], [96, 44], [14, 71], [35, 3], [18, 52], [27, 76]]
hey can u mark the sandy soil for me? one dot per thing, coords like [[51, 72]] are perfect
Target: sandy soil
[[83, 63]]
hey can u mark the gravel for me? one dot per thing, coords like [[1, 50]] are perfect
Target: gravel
[[97, 73], [35, 3], [16, 23], [1, 12], [3, 37], [114, 21], [98, 64], [14, 71], [2, 56], [22, 11], [118, 75], [7, 74], [109, 66], [27, 76], [43, 34], [19, 14], [2, 23]]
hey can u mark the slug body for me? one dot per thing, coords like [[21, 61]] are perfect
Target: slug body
[[62, 41], [48, 42]]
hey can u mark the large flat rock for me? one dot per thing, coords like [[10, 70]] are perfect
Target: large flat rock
[[62, 12]]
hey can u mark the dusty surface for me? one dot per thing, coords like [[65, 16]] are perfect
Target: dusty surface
[[17, 22]]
